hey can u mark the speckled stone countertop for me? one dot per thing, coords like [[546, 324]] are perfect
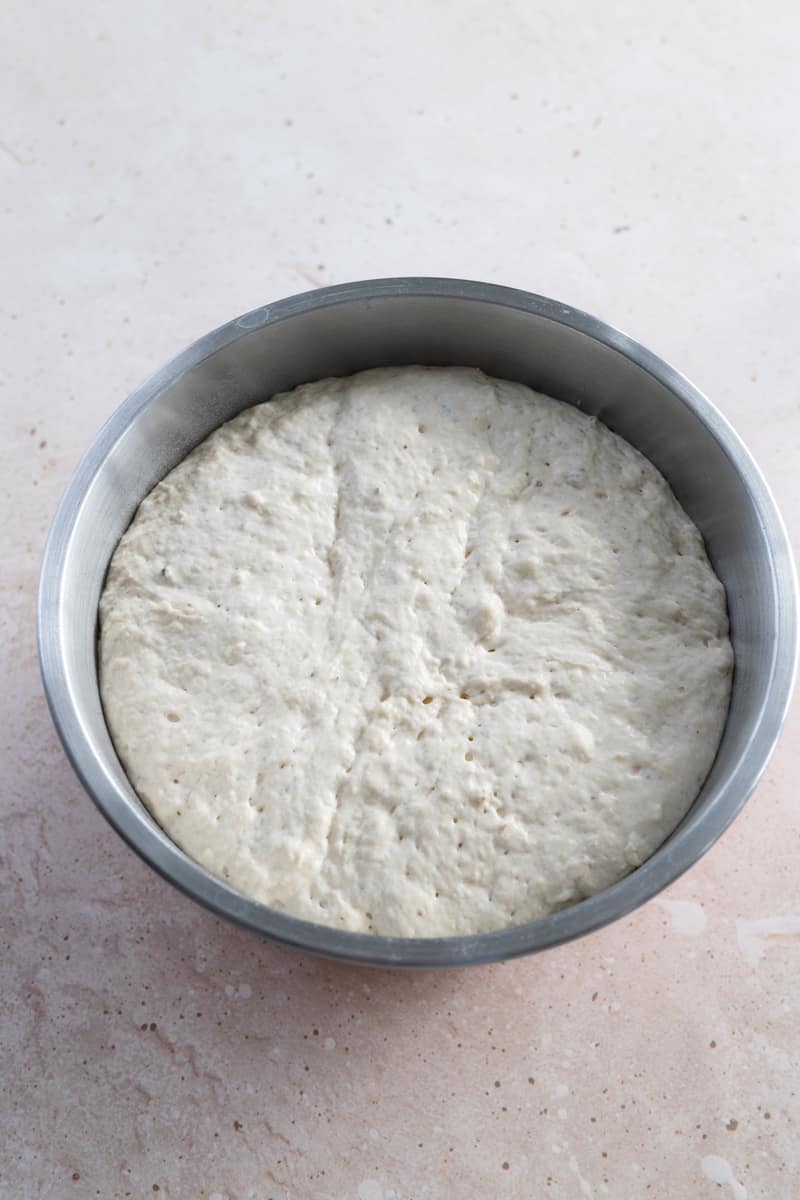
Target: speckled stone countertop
[[165, 167]]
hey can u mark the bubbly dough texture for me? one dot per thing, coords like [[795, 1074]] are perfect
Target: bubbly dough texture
[[417, 652]]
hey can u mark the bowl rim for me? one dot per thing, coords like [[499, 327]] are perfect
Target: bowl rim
[[684, 847]]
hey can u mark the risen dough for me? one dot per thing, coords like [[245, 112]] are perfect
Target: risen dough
[[419, 652]]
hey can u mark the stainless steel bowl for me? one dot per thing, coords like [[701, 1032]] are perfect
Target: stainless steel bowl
[[511, 334]]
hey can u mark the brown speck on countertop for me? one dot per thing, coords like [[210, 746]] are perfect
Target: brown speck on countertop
[[713, 1045], [732, 1125]]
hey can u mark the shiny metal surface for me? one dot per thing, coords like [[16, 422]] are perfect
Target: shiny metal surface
[[512, 334]]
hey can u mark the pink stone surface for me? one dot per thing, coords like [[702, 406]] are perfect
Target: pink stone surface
[[165, 167]]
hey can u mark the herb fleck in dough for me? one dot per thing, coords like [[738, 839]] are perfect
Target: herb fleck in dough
[[417, 652]]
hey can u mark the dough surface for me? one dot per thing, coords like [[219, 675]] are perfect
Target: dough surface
[[417, 652]]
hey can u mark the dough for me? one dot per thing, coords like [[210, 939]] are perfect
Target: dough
[[417, 652]]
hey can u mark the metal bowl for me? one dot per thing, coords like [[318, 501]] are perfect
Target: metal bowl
[[511, 334]]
